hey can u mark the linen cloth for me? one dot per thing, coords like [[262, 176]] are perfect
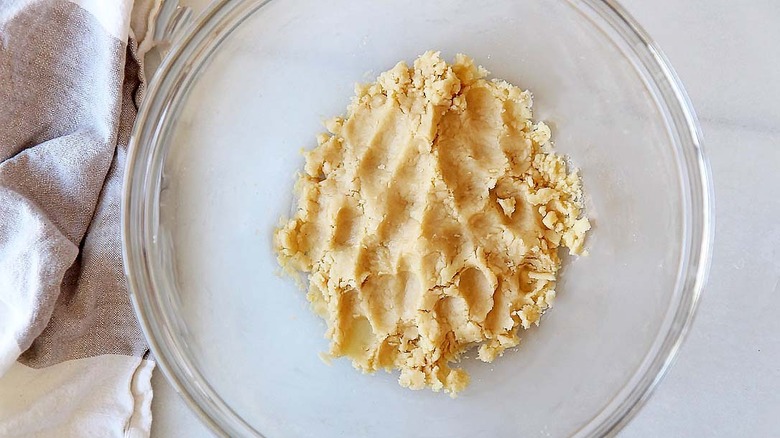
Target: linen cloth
[[73, 359]]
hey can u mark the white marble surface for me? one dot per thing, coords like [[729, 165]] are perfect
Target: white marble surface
[[726, 381]]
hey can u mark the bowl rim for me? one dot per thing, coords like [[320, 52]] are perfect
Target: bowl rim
[[144, 163]]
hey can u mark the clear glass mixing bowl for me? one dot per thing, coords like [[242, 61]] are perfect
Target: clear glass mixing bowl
[[210, 172]]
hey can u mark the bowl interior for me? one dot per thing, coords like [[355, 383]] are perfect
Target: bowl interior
[[231, 149]]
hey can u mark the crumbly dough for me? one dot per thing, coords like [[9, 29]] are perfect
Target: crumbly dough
[[429, 221]]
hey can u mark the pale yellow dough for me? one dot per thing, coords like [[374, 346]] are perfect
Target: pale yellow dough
[[429, 221]]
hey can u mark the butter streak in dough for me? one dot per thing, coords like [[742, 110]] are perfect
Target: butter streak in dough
[[429, 220]]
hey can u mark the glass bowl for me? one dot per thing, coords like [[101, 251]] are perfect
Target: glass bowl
[[210, 172]]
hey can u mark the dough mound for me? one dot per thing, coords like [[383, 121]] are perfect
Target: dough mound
[[429, 221]]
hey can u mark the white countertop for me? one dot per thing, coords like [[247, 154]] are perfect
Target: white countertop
[[726, 381]]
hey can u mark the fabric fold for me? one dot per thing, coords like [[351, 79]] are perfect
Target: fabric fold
[[102, 396]]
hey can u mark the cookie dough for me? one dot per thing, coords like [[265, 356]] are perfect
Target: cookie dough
[[429, 220]]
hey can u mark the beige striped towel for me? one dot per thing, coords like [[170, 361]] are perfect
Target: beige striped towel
[[73, 360]]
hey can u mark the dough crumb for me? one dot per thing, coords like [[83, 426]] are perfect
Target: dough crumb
[[429, 220]]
